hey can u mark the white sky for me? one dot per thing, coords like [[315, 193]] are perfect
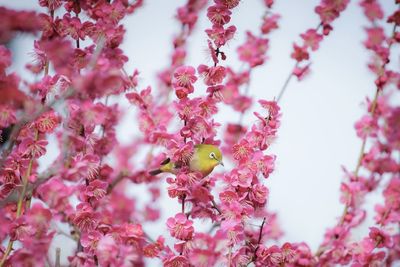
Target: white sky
[[317, 135]]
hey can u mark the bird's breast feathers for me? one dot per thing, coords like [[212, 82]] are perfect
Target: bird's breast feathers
[[198, 165]]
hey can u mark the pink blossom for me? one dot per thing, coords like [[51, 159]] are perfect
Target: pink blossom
[[205, 249], [70, 26], [311, 39], [183, 92], [366, 127], [259, 194], [50, 4], [270, 23], [241, 103], [55, 194], [391, 128], [304, 255], [330, 10], [85, 218], [208, 108], [201, 194], [151, 214], [271, 107], [392, 194], [372, 9], [25, 257], [47, 122], [196, 128], [242, 150], [178, 187], [378, 163], [233, 133], [81, 259], [233, 231], [184, 76], [215, 92], [131, 233], [271, 256], [89, 240], [60, 53], [142, 99], [154, 249], [17, 21], [176, 261], [253, 50], [219, 35], [228, 196], [187, 15], [301, 72], [99, 83], [212, 75], [219, 14], [107, 250], [180, 227], [7, 116], [6, 189], [381, 238], [352, 193], [228, 3], [376, 36], [94, 191], [288, 252], [300, 53], [32, 148], [5, 58], [242, 178], [182, 153], [394, 18], [83, 166], [39, 218], [186, 108]]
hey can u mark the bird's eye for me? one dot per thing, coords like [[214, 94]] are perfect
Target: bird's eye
[[212, 155]]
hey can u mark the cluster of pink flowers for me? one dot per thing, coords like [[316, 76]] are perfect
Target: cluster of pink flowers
[[79, 65], [328, 11], [253, 53], [377, 165]]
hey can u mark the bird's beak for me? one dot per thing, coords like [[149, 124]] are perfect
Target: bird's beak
[[221, 163]]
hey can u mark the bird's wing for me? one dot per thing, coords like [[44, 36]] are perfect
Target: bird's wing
[[165, 161]]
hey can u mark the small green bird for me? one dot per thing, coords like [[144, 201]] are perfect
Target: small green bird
[[204, 159]]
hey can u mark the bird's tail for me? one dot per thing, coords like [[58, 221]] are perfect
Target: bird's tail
[[166, 166], [155, 172]]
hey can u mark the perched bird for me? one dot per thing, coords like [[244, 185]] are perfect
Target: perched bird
[[204, 159]]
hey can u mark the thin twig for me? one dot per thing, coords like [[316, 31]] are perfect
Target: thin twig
[[129, 79], [183, 204], [58, 256], [254, 258], [290, 76], [230, 256], [149, 238], [114, 183], [259, 237], [215, 225], [216, 206], [286, 83], [99, 48]]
